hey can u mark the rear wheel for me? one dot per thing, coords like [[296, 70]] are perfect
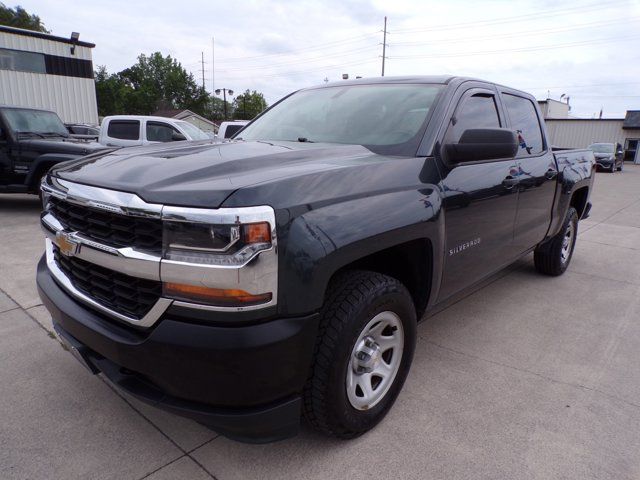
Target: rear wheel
[[363, 353], [553, 257]]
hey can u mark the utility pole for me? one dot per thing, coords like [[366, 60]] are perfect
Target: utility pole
[[202, 71], [384, 44], [224, 96]]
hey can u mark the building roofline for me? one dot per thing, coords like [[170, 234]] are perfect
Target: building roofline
[[45, 36], [585, 119]]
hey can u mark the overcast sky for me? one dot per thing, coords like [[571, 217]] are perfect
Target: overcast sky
[[588, 49]]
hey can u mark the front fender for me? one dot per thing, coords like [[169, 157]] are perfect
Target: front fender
[[45, 162], [320, 242]]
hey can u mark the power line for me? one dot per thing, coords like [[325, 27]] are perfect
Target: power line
[[448, 41], [516, 18], [306, 60], [321, 46], [523, 49], [302, 72]]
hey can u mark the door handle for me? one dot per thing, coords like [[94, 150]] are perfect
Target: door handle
[[509, 182], [551, 174]]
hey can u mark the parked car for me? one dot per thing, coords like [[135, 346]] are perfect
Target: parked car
[[32, 141], [131, 130], [229, 129], [244, 283], [609, 156], [82, 130]]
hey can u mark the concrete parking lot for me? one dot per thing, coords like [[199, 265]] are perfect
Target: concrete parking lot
[[528, 377]]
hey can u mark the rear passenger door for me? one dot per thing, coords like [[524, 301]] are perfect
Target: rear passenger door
[[537, 171], [479, 199]]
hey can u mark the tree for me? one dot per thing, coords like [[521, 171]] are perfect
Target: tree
[[157, 80], [112, 93], [248, 105], [19, 18]]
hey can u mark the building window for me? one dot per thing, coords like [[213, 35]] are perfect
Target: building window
[[22, 61]]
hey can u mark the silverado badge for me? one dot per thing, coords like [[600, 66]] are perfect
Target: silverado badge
[[66, 244]]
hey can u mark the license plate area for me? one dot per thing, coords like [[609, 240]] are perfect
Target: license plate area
[[76, 349]]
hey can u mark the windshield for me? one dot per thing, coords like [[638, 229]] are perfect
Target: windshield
[[194, 132], [386, 118], [35, 121], [601, 147]]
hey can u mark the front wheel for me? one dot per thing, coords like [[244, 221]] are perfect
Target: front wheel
[[363, 353], [553, 256]]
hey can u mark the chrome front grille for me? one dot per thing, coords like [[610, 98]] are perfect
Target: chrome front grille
[[109, 228], [130, 296]]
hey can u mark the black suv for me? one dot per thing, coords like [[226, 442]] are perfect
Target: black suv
[[31, 142]]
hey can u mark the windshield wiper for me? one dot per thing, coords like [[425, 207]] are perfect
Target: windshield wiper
[[305, 140], [55, 134], [23, 132]]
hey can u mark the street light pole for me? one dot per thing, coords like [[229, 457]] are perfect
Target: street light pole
[[224, 96]]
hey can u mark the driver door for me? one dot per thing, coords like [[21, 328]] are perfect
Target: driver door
[[479, 200]]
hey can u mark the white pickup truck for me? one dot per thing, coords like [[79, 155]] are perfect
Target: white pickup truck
[[131, 130]]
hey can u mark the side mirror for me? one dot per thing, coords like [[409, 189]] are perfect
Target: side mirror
[[176, 137], [478, 144]]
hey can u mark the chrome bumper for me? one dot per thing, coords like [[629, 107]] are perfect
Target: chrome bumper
[[257, 275]]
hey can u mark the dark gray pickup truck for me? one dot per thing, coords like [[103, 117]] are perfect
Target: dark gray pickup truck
[[281, 275]]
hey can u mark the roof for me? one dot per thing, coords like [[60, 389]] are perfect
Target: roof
[[583, 119], [169, 113], [180, 114], [632, 120], [443, 79], [2, 106], [45, 36]]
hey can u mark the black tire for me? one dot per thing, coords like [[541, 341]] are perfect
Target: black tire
[[548, 257], [613, 167], [353, 299]]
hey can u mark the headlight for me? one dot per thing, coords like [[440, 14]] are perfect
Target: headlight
[[202, 245], [224, 245]]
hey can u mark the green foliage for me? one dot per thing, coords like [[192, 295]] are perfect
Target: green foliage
[[112, 93], [19, 18], [248, 105], [159, 82]]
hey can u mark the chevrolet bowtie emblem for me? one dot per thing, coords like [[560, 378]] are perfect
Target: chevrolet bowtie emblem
[[66, 244]]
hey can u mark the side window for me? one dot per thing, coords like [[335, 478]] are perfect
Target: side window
[[232, 130], [524, 120], [477, 111], [124, 129], [160, 132]]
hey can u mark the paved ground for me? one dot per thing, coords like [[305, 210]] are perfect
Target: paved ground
[[529, 377]]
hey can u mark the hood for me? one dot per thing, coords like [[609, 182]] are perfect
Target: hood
[[205, 175], [603, 155], [71, 146]]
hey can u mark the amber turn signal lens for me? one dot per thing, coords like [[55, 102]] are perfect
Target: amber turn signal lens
[[214, 296], [256, 232]]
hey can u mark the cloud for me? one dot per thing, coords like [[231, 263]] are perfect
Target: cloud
[[587, 49]]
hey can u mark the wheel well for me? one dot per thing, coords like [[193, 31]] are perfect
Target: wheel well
[[410, 263], [34, 179], [579, 200]]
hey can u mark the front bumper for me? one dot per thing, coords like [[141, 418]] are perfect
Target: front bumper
[[605, 164], [243, 381]]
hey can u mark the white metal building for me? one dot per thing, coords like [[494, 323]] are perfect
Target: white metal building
[[44, 71]]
